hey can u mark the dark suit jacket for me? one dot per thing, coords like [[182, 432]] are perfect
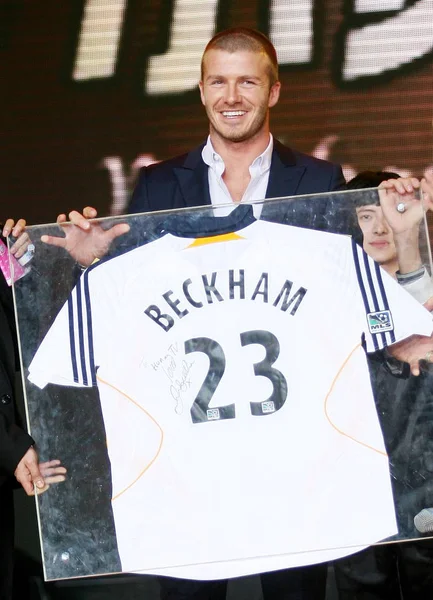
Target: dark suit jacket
[[14, 441], [183, 182]]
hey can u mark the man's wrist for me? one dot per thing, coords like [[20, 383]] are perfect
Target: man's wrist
[[84, 267], [406, 278]]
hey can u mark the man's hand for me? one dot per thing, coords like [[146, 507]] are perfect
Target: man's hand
[[394, 192], [20, 246], [85, 240], [412, 350], [427, 188], [52, 472], [428, 304], [404, 213], [28, 474]]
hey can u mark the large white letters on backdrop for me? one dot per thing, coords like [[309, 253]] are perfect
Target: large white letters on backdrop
[[370, 50]]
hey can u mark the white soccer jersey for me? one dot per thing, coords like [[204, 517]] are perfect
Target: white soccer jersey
[[236, 397]]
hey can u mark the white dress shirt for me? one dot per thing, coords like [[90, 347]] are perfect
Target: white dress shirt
[[256, 189]]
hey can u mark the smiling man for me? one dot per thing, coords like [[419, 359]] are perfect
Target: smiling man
[[240, 161]]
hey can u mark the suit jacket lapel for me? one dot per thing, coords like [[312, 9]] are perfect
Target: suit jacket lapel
[[193, 179], [284, 176]]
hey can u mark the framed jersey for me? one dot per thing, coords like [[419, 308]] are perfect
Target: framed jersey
[[209, 384]]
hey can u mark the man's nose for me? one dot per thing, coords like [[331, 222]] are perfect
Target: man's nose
[[381, 226], [232, 93]]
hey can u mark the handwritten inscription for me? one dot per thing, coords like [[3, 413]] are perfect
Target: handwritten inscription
[[180, 385], [165, 361], [177, 371]]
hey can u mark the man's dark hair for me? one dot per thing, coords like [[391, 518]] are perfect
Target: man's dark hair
[[368, 179], [363, 181], [242, 38]]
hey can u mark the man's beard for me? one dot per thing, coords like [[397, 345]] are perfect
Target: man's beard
[[243, 135]]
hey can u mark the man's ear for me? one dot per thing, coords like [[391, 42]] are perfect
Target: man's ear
[[200, 85], [274, 94]]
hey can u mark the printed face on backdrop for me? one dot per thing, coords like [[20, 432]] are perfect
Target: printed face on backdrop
[[377, 235], [236, 94]]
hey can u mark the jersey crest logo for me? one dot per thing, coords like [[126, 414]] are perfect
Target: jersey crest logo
[[380, 321]]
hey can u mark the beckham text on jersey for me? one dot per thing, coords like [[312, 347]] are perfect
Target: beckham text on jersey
[[231, 286]]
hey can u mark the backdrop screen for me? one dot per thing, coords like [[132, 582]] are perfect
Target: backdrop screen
[[97, 88]]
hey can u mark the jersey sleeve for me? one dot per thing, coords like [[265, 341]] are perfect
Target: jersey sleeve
[[67, 354], [391, 313]]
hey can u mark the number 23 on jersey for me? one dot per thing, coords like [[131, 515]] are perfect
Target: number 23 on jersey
[[200, 410]]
